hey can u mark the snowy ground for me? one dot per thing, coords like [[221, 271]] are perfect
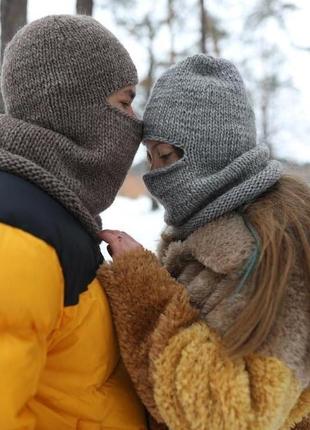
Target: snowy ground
[[135, 218]]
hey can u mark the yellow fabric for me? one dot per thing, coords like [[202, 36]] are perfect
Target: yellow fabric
[[198, 387], [59, 365]]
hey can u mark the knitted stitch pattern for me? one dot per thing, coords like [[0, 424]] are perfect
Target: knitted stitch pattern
[[201, 106], [59, 132]]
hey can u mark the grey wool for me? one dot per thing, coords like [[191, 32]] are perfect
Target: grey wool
[[58, 131], [201, 106]]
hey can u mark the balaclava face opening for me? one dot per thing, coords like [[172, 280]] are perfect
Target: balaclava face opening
[[201, 106], [59, 131]]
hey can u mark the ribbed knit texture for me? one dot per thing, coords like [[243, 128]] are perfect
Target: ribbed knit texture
[[59, 131], [201, 106]]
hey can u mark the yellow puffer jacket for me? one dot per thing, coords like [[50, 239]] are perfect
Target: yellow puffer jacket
[[59, 360]]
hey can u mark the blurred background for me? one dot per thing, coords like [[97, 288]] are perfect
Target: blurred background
[[269, 40]]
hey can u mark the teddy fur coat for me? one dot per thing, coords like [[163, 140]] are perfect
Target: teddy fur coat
[[170, 314]]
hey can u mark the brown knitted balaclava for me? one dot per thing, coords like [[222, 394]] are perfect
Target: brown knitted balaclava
[[59, 132]]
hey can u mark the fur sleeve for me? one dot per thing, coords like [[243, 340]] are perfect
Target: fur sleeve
[[197, 386], [143, 297]]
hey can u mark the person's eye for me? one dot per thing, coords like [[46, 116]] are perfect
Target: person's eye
[[165, 156], [125, 104]]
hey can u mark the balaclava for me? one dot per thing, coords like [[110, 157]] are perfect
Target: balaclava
[[201, 106], [59, 132]]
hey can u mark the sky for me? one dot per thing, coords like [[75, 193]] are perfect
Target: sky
[[296, 117]]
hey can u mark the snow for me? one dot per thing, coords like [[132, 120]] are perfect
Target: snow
[[135, 218]]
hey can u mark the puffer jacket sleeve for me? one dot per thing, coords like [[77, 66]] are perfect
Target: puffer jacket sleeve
[[31, 290], [179, 365]]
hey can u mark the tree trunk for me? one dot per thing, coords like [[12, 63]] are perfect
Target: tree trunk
[[84, 7], [203, 27], [151, 31], [215, 38], [170, 21], [13, 17]]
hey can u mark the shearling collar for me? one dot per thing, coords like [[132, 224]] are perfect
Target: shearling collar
[[223, 245]]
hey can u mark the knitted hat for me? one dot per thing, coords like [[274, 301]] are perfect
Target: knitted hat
[[59, 129], [201, 106], [58, 68]]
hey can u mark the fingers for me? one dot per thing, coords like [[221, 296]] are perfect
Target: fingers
[[118, 242], [126, 235], [109, 236]]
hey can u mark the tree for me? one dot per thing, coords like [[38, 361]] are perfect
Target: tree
[[171, 16], [84, 7], [266, 64], [13, 17], [210, 31], [270, 9], [147, 29], [175, 23], [203, 26], [269, 85], [144, 27]]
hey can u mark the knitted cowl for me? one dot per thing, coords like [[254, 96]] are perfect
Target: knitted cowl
[[201, 106], [59, 132]]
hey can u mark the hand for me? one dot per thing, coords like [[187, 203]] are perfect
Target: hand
[[119, 242]]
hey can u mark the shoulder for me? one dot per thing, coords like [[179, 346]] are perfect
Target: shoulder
[[223, 245], [28, 208], [31, 280]]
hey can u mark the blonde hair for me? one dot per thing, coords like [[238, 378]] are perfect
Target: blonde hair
[[281, 219]]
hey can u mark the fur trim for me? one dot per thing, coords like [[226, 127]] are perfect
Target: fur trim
[[143, 296], [223, 245], [198, 387]]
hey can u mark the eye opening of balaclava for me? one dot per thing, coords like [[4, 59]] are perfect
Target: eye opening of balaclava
[[176, 147]]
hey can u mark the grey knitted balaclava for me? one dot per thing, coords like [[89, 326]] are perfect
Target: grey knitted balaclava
[[201, 106], [59, 131]]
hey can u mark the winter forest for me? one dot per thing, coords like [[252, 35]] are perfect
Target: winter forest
[[268, 40]]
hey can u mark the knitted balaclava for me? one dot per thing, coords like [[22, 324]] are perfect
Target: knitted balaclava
[[201, 106], [59, 131]]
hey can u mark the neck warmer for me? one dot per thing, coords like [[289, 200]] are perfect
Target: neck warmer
[[59, 132], [85, 180], [202, 107]]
